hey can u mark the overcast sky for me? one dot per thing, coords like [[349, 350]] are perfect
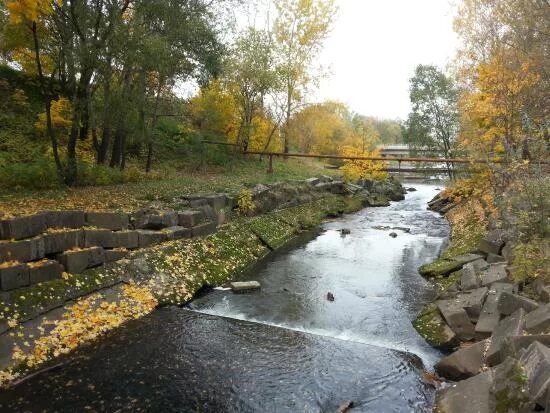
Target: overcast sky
[[375, 46]]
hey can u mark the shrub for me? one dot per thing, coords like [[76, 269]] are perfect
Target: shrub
[[531, 261], [245, 204], [39, 174], [90, 174]]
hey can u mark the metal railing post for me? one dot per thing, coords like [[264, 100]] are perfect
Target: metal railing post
[[270, 168]]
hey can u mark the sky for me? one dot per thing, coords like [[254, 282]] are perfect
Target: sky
[[374, 48]]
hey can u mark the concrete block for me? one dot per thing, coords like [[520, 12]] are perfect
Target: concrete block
[[79, 260], [126, 239], [65, 219], [509, 303], [457, 318], [115, 221], [538, 321], [495, 273], [490, 316], [514, 346], [204, 229], [60, 241], [190, 218], [209, 213], [509, 326], [216, 201], [473, 302], [43, 271], [161, 220], [536, 367], [99, 238], [148, 237], [23, 227], [115, 255], [177, 232], [245, 286], [467, 396], [469, 280], [25, 250], [463, 363], [14, 276]]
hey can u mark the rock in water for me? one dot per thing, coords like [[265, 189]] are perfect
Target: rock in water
[[330, 296], [345, 231], [393, 235], [344, 407]]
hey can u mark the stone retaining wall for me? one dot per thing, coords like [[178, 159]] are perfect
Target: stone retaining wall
[[499, 332]]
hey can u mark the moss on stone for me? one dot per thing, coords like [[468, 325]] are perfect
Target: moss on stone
[[440, 267], [443, 283], [431, 326]]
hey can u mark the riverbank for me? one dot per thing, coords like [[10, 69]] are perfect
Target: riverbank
[[496, 324], [52, 318]]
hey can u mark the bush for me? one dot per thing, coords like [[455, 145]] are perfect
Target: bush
[[531, 261], [40, 174], [99, 175]]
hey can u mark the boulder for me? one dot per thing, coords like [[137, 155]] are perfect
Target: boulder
[[492, 243], [312, 181], [509, 303], [79, 260], [510, 389], [544, 293], [244, 286], [14, 276], [115, 255], [60, 241], [495, 273], [23, 227], [509, 326], [190, 218], [431, 326], [204, 229], [538, 321], [514, 346], [469, 279], [457, 318], [493, 258], [43, 271], [473, 302], [99, 238], [25, 250], [148, 237], [472, 395], [65, 219], [115, 221], [445, 266], [463, 363], [489, 316], [536, 368], [393, 234], [177, 232]]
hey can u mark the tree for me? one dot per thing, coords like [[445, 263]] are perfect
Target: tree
[[300, 30], [433, 121]]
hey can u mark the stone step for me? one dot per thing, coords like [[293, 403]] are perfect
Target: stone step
[[79, 260], [13, 275], [244, 286]]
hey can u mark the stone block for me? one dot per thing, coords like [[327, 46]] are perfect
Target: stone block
[[23, 227], [177, 232], [312, 181], [14, 276], [148, 237], [79, 260], [60, 241], [509, 388], [164, 219], [495, 273], [25, 250], [467, 396], [469, 279], [509, 303], [473, 302], [492, 243], [457, 318], [544, 293], [490, 316], [538, 321], [494, 259], [536, 367], [204, 229], [463, 363], [514, 346], [209, 213], [216, 201], [190, 218], [126, 239], [509, 326], [43, 271], [65, 219], [244, 286], [480, 264], [115, 255], [99, 238], [115, 221]]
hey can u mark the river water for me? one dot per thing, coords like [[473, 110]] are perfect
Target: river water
[[283, 349]]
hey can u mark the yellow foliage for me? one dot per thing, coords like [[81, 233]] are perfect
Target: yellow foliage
[[362, 169], [245, 204], [20, 10], [61, 110]]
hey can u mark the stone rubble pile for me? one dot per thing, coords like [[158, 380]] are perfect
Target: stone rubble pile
[[501, 337]]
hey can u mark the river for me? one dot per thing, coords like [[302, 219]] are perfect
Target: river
[[283, 349]]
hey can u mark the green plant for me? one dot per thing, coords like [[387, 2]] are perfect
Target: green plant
[[531, 261], [39, 174]]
